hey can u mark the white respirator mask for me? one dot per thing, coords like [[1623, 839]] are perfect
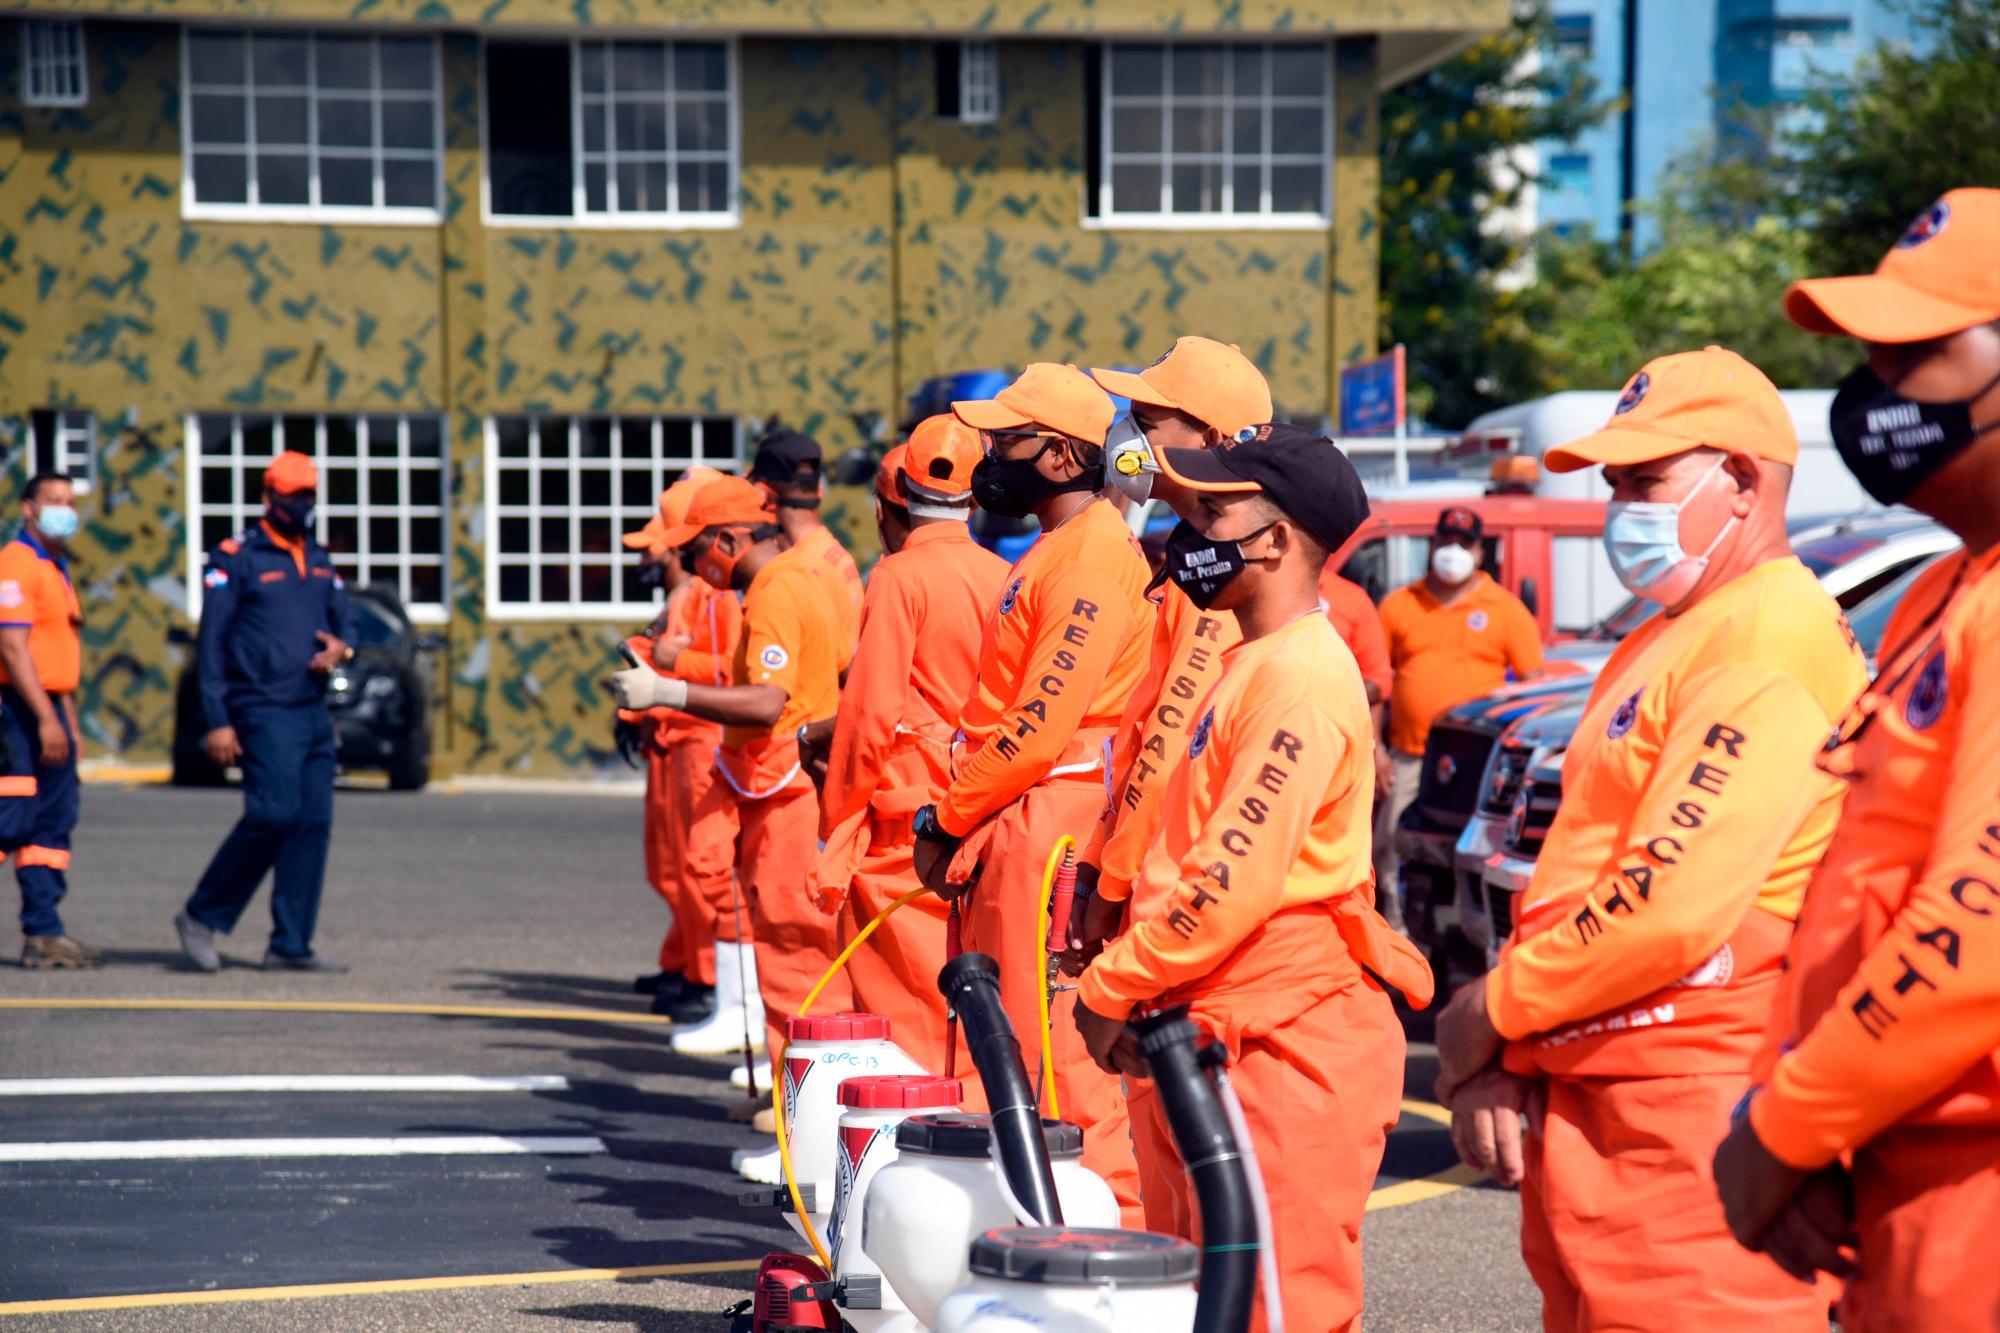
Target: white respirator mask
[[1129, 465], [1453, 564]]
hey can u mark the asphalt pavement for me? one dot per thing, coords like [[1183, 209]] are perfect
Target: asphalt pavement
[[494, 1134]]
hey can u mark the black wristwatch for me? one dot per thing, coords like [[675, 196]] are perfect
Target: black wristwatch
[[925, 825]]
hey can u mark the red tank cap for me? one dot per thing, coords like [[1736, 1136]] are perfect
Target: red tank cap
[[837, 1027], [900, 1092]]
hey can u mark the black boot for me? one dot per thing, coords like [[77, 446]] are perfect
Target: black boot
[[692, 1005], [669, 984]]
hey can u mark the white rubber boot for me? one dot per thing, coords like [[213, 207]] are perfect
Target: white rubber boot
[[738, 1007], [763, 1168], [739, 1078]]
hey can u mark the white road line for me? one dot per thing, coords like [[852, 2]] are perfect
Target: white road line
[[454, 1145], [162, 1083]]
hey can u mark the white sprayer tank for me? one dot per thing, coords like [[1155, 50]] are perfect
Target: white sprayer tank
[[822, 1051], [923, 1213], [871, 1109], [1074, 1280]]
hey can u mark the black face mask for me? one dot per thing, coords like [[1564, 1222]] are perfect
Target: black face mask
[[680, 557], [1012, 487], [652, 576], [1202, 566], [290, 514], [1892, 444]]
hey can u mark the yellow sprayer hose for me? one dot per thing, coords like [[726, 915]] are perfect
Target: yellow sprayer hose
[[1064, 843]]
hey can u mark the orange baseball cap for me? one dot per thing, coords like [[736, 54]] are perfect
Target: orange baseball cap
[[890, 468], [938, 463], [1210, 381], [1941, 277], [1691, 400], [1057, 396], [674, 502], [291, 471], [725, 501]]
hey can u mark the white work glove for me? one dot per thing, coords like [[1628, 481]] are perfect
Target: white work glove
[[640, 688]]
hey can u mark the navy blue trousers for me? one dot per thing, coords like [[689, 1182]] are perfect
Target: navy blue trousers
[[38, 809], [287, 823]]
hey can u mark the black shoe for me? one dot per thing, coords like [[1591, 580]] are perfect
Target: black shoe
[[693, 1005], [650, 983], [312, 962]]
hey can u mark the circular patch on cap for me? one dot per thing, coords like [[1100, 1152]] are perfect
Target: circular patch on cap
[[1634, 394], [1928, 224], [774, 657]]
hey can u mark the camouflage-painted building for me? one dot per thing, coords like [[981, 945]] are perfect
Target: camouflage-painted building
[[505, 266]]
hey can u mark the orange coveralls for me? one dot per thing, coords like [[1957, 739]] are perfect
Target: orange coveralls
[[1639, 979], [680, 851], [1059, 655], [791, 639], [821, 552], [1254, 909], [891, 755], [1888, 1018]]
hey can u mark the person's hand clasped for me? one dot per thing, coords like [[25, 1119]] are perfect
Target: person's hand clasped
[[1486, 1116], [1093, 920], [1110, 1043], [1466, 1041], [1754, 1185], [668, 648], [640, 688]]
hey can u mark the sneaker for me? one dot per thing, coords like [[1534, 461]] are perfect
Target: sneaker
[[198, 944], [762, 1166], [692, 1005], [39, 952], [312, 962]]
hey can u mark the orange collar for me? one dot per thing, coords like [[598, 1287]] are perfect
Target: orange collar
[[297, 548]]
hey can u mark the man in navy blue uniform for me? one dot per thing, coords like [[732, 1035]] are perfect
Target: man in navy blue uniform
[[275, 621]]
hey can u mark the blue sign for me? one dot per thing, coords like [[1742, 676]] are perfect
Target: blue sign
[[1371, 394]]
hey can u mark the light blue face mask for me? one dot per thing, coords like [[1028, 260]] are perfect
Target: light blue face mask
[[57, 521], [1643, 541]]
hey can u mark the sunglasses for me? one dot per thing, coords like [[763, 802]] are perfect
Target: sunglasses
[[994, 440]]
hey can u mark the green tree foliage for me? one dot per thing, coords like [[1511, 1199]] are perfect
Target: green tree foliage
[[1446, 141]]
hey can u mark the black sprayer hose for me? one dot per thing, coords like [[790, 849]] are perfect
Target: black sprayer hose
[[1174, 1050], [971, 986]]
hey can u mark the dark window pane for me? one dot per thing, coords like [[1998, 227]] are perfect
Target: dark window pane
[[594, 536], [513, 486], [426, 437], [426, 487], [427, 584], [383, 487], [528, 128], [1247, 71], [511, 433], [1246, 130], [1298, 71], [221, 178], [426, 536], [1197, 187], [407, 124], [340, 441], [218, 434], [384, 576], [596, 115], [218, 118], [1135, 189], [718, 439], [347, 181], [1295, 190], [651, 127], [216, 57], [701, 125], [595, 487], [704, 187], [383, 437], [555, 488], [1135, 129], [341, 486], [514, 536], [635, 437], [1297, 129], [638, 67], [344, 122], [947, 56], [629, 587], [591, 70], [342, 533], [282, 180], [383, 537], [1197, 129], [555, 536], [555, 583], [342, 62], [215, 529], [278, 60], [259, 442], [406, 63], [555, 437], [1249, 190], [1197, 71], [1136, 70], [595, 198], [514, 583], [215, 488], [409, 184], [701, 67], [677, 437], [594, 437], [597, 584], [636, 488], [281, 121]]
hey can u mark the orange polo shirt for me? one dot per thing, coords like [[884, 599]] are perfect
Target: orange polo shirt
[[1443, 655], [1185, 661], [1269, 811], [36, 595], [1690, 805], [821, 552], [791, 637], [1889, 1013], [1360, 624], [1059, 655]]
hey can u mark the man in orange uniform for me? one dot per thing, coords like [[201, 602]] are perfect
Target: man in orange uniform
[[687, 861], [1059, 654], [1647, 947], [1884, 1049], [1453, 635], [787, 467], [784, 677], [1254, 907], [1360, 625], [901, 707]]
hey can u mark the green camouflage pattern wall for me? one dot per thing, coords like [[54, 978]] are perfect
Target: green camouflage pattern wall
[[825, 307]]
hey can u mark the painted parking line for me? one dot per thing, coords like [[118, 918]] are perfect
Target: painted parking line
[[452, 1145], [151, 1084]]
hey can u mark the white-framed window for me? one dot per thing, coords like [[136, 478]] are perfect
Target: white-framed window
[[65, 443], [1193, 134], [968, 82], [382, 512], [646, 136], [560, 493], [288, 125], [53, 69]]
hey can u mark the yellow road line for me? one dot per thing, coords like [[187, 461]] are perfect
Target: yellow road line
[[1406, 1191], [127, 773], [348, 1007], [236, 1295], [1428, 1110]]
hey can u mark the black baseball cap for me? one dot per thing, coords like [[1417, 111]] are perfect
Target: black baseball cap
[[1459, 524], [1305, 475], [780, 454]]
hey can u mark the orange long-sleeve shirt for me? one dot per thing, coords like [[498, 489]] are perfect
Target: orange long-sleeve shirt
[[1184, 663], [1059, 655], [821, 552], [917, 660], [1270, 809], [1689, 799], [1889, 1014]]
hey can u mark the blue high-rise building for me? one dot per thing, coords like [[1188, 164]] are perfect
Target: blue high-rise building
[[1685, 66]]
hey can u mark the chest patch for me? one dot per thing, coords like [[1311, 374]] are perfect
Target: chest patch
[[1009, 597], [1626, 716], [1476, 621], [773, 657], [1927, 697], [1199, 741]]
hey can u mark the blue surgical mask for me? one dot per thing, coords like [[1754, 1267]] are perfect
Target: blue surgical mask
[[1643, 541], [57, 521]]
